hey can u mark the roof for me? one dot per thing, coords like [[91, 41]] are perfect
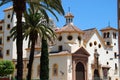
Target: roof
[[1, 21], [108, 28], [82, 51], [7, 9], [69, 28], [69, 15], [88, 34]]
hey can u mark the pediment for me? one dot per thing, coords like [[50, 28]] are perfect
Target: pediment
[[82, 51]]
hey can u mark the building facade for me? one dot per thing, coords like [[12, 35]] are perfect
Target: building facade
[[75, 54]]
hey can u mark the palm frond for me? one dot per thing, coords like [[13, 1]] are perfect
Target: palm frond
[[2, 2]]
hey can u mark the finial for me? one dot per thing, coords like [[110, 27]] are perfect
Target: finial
[[68, 9], [109, 24]]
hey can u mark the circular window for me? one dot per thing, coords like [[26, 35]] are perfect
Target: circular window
[[114, 43], [60, 38], [106, 52], [69, 37], [95, 43], [107, 63], [90, 44], [99, 45], [79, 38]]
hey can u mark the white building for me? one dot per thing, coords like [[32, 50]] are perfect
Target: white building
[[76, 54]]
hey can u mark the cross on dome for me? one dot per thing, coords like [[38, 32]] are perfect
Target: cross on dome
[[69, 17]]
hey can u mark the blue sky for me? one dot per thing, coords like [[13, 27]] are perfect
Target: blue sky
[[91, 13], [87, 13]]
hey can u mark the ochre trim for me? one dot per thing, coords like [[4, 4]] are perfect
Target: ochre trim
[[59, 32], [109, 29], [54, 55], [11, 8], [35, 49]]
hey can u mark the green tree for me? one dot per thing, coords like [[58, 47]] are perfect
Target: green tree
[[6, 68]]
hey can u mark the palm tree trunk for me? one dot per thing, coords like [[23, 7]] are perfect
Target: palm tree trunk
[[31, 58], [19, 43], [44, 65], [19, 7]]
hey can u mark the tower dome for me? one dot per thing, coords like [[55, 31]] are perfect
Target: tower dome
[[69, 18]]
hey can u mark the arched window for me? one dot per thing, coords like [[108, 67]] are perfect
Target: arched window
[[104, 35], [108, 34], [114, 35], [115, 66], [55, 70]]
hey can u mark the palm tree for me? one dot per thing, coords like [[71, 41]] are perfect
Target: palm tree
[[34, 28], [45, 33], [20, 7]]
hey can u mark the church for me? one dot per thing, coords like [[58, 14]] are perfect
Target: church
[[75, 55]]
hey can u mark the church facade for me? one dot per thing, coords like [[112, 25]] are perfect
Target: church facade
[[75, 55]]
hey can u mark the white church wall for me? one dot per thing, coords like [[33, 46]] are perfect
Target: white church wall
[[8, 46], [69, 45], [63, 62], [91, 51], [105, 56]]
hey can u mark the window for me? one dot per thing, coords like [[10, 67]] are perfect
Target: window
[[115, 55], [95, 43], [79, 38], [115, 66], [114, 35], [69, 37], [104, 35], [106, 52], [8, 52], [90, 44], [8, 26], [1, 55], [8, 38], [8, 16], [114, 43], [108, 34], [108, 43], [0, 41], [60, 48], [60, 38], [55, 70], [99, 45], [0, 28], [107, 63]]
